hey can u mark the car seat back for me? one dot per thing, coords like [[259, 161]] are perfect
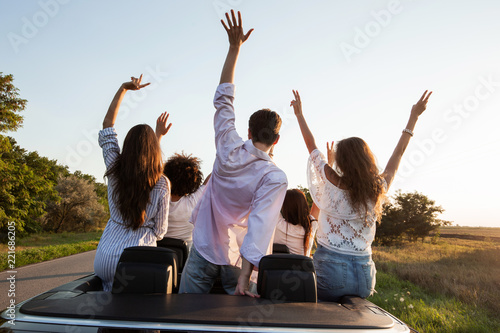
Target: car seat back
[[287, 277], [146, 269]]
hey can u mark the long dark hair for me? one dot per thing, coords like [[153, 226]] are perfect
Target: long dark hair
[[136, 170], [296, 211], [359, 173]]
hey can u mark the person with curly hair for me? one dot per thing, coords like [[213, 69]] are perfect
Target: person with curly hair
[[186, 179]]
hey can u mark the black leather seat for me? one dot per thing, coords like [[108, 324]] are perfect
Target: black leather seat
[[280, 248], [287, 277], [180, 247], [146, 269]]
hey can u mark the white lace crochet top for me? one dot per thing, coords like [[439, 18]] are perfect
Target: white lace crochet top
[[341, 227]]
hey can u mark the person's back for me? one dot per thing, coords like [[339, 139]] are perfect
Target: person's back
[[343, 228], [350, 198], [235, 219], [138, 193], [296, 227], [186, 179], [242, 175]]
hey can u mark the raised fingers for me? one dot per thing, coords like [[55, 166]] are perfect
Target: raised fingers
[[296, 95], [229, 23], [427, 98], [224, 24], [247, 34], [235, 22]]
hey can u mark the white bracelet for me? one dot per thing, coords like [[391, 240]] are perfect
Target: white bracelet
[[408, 131]]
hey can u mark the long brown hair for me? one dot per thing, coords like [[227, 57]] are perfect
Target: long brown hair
[[359, 173], [137, 169], [296, 211]]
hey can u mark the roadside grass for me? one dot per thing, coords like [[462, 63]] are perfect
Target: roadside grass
[[430, 312], [46, 246], [462, 270]]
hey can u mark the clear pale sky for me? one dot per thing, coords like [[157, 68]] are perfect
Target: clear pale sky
[[358, 65]]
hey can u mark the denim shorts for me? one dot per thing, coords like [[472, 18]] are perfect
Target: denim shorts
[[198, 275], [341, 274]]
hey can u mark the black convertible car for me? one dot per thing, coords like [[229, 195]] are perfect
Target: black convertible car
[[144, 299]]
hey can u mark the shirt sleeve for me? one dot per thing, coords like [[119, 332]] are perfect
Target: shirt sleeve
[[161, 219], [316, 178], [109, 144], [225, 130], [196, 196], [263, 218]]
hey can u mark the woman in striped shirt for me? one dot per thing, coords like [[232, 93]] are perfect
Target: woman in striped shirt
[[138, 192]]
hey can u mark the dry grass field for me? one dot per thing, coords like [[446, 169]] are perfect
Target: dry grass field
[[473, 231], [466, 269]]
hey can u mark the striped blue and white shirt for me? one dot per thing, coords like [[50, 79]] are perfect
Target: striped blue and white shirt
[[116, 236]]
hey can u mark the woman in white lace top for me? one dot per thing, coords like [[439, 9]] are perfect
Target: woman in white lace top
[[349, 190]]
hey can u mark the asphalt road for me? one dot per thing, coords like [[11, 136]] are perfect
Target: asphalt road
[[34, 279]]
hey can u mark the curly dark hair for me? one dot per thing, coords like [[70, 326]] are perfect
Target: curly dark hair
[[184, 174]]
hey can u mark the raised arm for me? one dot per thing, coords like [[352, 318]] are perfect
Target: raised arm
[[134, 84], [236, 38], [306, 132], [161, 125], [393, 164]]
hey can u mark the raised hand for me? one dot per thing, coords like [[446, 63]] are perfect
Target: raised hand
[[235, 30], [161, 125], [306, 132], [330, 154], [296, 103], [421, 105], [395, 159], [134, 84]]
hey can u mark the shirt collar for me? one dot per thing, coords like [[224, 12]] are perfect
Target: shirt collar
[[248, 145]]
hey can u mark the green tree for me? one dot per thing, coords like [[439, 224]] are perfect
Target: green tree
[[10, 104], [100, 188], [413, 215], [308, 195], [77, 210], [26, 183]]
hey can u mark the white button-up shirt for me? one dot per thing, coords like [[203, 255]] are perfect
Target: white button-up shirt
[[239, 210]]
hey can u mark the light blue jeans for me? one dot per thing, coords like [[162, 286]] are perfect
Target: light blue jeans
[[199, 275], [342, 274]]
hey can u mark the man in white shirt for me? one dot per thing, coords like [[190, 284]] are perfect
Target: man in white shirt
[[235, 219]]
